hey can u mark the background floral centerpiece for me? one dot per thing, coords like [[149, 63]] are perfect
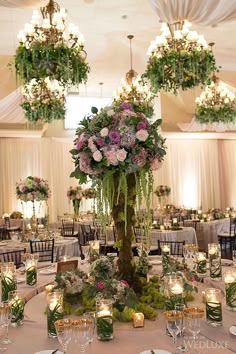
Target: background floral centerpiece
[[32, 189], [75, 194], [118, 148], [72, 282], [89, 193], [162, 191]]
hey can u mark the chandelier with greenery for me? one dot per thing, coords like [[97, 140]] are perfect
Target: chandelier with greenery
[[48, 50], [216, 104], [179, 58], [134, 90]]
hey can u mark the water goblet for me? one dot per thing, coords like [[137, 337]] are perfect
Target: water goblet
[[5, 318], [81, 332], [91, 316], [64, 332], [2, 333], [173, 323], [193, 316], [180, 307]]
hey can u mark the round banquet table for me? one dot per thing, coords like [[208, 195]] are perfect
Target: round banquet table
[[32, 336], [68, 246]]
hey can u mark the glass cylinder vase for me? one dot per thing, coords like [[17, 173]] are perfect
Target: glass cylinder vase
[[175, 288], [201, 263], [17, 304], [31, 271], [230, 289], [8, 279], [54, 311], [104, 320], [214, 256], [213, 307], [165, 253]]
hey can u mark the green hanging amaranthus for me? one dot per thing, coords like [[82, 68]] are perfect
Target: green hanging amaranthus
[[118, 148]]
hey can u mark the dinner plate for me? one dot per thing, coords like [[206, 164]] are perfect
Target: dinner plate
[[233, 330], [226, 262], [20, 280], [156, 351], [155, 261], [48, 352], [3, 244], [47, 271]]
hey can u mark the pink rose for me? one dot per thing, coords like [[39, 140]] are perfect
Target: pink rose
[[100, 285], [124, 282], [142, 135], [97, 156], [155, 164], [121, 155], [99, 142], [104, 132]]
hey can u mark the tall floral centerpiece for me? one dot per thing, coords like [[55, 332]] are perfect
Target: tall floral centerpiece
[[162, 192], [75, 194], [33, 189], [118, 148]]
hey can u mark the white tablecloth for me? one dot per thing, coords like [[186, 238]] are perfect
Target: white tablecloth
[[67, 246], [207, 231]]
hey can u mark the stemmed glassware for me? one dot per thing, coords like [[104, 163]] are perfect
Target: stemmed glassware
[[5, 318], [193, 316], [64, 332], [180, 307], [91, 316], [174, 323], [81, 332]]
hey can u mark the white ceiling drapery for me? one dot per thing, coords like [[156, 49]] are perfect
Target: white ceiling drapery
[[203, 12], [10, 109], [23, 3]]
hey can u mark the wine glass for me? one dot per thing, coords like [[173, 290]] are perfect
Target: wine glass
[[64, 332], [174, 323], [91, 316], [5, 318], [180, 307], [2, 333], [193, 316], [81, 332]]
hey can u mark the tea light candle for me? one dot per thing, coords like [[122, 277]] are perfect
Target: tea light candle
[[104, 312], [213, 307], [162, 227], [227, 209], [213, 249], [138, 320], [201, 257], [229, 278], [49, 288], [175, 221], [94, 245], [65, 258], [199, 212], [176, 289], [166, 248], [203, 296]]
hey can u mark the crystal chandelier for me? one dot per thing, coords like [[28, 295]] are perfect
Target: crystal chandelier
[[133, 90], [47, 49], [216, 104], [178, 58]]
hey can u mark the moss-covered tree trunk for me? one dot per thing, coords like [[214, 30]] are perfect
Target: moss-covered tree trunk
[[125, 235]]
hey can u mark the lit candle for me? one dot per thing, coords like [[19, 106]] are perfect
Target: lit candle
[[166, 248], [213, 250], [162, 227], [175, 221], [201, 257], [229, 278], [213, 307], [138, 320], [176, 289], [49, 288], [230, 289]]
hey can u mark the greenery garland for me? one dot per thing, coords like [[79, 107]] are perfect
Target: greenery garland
[[59, 62], [208, 115], [180, 69]]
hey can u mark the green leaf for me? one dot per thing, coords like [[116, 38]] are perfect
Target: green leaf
[[94, 110]]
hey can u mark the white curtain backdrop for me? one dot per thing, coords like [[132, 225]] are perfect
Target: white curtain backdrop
[[203, 12], [201, 173]]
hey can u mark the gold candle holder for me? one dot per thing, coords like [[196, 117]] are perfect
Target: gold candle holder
[[138, 319]]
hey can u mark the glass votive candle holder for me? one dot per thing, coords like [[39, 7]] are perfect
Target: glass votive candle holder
[[213, 307], [165, 253], [17, 305], [214, 256], [54, 311], [138, 319], [201, 263], [230, 289], [8, 279], [104, 319], [31, 271]]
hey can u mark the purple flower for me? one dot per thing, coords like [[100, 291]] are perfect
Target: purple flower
[[126, 105], [114, 136], [141, 125]]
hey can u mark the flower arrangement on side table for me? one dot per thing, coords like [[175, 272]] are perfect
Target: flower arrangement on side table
[[89, 193], [162, 191]]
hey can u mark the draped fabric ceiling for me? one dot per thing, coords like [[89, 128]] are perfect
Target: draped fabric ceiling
[[23, 3]]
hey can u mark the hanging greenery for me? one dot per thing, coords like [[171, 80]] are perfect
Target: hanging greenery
[[118, 148]]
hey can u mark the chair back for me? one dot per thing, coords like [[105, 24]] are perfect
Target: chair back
[[13, 256], [87, 233], [7, 221], [44, 248], [3, 233], [176, 247]]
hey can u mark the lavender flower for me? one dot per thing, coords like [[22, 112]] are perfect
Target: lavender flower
[[141, 125], [114, 136], [126, 105]]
